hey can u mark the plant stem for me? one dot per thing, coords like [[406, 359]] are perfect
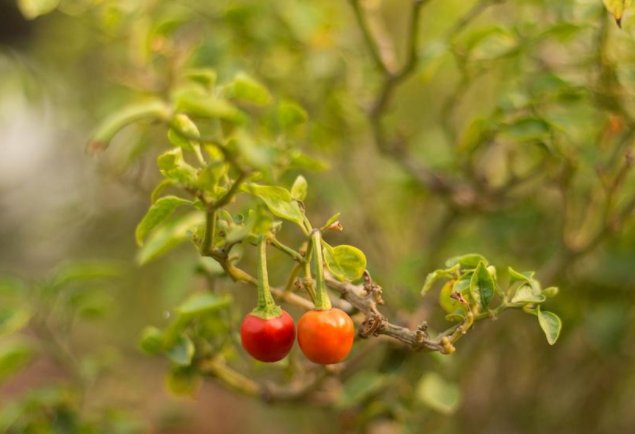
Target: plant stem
[[210, 228], [266, 307], [286, 249], [322, 301]]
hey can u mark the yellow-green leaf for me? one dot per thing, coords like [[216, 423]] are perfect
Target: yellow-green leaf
[[299, 188], [169, 236], [438, 394], [13, 357], [279, 202], [34, 8], [551, 324], [617, 9], [347, 263], [247, 89], [158, 212]]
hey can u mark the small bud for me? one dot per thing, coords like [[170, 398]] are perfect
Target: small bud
[[336, 226], [448, 348], [552, 291]]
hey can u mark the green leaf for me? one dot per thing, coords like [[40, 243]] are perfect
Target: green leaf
[[482, 286], [181, 352], [526, 130], [160, 188], [471, 260], [208, 106], [279, 202], [491, 43], [247, 89], [173, 166], [551, 324], [617, 9], [436, 275], [77, 272], [201, 304], [204, 76], [183, 133], [13, 357], [90, 304], [158, 212], [516, 276], [528, 294], [478, 131], [169, 236], [257, 154], [332, 219], [153, 109], [301, 161], [360, 387], [438, 394], [347, 263], [183, 381], [151, 340], [13, 318], [34, 8], [299, 188], [290, 115]]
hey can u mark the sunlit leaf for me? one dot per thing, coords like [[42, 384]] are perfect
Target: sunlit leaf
[[551, 324], [160, 188], [169, 236], [174, 167], [301, 161], [528, 294], [526, 129], [436, 275], [13, 318], [299, 188], [517, 276], [183, 133], [34, 8], [279, 202], [482, 286], [204, 76], [247, 89], [290, 114], [470, 260], [208, 106], [158, 212], [491, 43], [202, 303], [153, 109], [617, 9], [77, 272], [346, 263], [181, 352], [13, 357]]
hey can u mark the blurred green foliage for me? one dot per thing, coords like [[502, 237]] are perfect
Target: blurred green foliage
[[511, 136]]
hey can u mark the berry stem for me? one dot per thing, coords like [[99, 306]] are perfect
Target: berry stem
[[322, 301], [266, 307]]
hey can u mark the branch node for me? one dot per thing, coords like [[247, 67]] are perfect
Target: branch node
[[371, 326]]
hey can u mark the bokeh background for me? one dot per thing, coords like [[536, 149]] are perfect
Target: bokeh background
[[530, 89]]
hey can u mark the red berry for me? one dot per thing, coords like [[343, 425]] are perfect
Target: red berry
[[326, 336], [267, 340]]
